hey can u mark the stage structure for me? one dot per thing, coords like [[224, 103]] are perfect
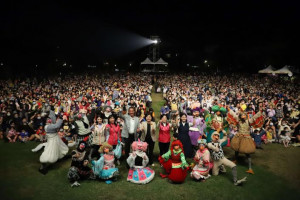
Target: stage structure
[[154, 63]]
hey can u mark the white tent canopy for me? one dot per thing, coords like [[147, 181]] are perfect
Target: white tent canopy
[[268, 70], [161, 62], [147, 62], [284, 70]]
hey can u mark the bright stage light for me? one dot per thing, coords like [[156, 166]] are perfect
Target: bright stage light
[[155, 41]]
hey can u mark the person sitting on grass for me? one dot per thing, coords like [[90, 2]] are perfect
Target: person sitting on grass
[[257, 135], [203, 160], [12, 134], [285, 136], [270, 135], [23, 136], [40, 134]]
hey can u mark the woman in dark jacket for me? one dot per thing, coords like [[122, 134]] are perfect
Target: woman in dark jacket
[[183, 136]]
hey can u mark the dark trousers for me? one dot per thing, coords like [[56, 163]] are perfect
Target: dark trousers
[[128, 142], [149, 151], [163, 148], [94, 152]]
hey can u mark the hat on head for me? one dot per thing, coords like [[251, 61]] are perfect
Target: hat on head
[[197, 109], [105, 145], [202, 141]]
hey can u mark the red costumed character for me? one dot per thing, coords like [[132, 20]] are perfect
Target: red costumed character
[[174, 163]]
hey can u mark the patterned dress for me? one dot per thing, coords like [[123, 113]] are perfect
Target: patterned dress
[[105, 168], [138, 172], [203, 166]]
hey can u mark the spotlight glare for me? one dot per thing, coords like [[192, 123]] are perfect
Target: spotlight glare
[[155, 41]]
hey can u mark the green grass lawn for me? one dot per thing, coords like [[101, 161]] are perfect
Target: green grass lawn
[[276, 176]]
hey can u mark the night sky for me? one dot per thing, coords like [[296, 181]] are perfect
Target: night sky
[[229, 34]]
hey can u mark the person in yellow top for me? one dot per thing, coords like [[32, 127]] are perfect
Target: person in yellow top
[[174, 108], [295, 113]]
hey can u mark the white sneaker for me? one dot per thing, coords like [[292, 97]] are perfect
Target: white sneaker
[[75, 184], [239, 182], [153, 165]]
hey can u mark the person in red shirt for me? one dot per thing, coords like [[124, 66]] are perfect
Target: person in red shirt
[[40, 134], [164, 134], [113, 131]]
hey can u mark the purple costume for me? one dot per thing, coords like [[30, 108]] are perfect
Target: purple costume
[[196, 130]]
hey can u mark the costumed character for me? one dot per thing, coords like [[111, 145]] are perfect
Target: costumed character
[[174, 163], [204, 162], [55, 148], [219, 159], [137, 161], [216, 122], [79, 167], [105, 168], [82, 128], [242, 141], [197, 126]]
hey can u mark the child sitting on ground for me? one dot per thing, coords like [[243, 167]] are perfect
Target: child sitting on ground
[[285, 137], [257, 134], [24, 136], [40, 134], [12, 134]]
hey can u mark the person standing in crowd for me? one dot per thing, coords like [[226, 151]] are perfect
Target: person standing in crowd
[[113, 132], [99, 137], [196, 126], [130, 129], [82, 128], [184, 137], [164, 137], [165, 110], [148, 135]]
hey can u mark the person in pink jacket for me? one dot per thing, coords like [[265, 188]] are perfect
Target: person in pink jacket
[[164, 135]]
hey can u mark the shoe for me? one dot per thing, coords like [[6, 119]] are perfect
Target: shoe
[[250, 171], [118, 163], [43, 171], [241, 181], [75, 184], [153, 165], [163, 175]]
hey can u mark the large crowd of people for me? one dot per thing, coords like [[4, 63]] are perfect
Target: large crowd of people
[[103, 117]]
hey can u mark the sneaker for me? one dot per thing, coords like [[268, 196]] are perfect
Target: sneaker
[[75, 184], [153, 165], [241, 181]]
